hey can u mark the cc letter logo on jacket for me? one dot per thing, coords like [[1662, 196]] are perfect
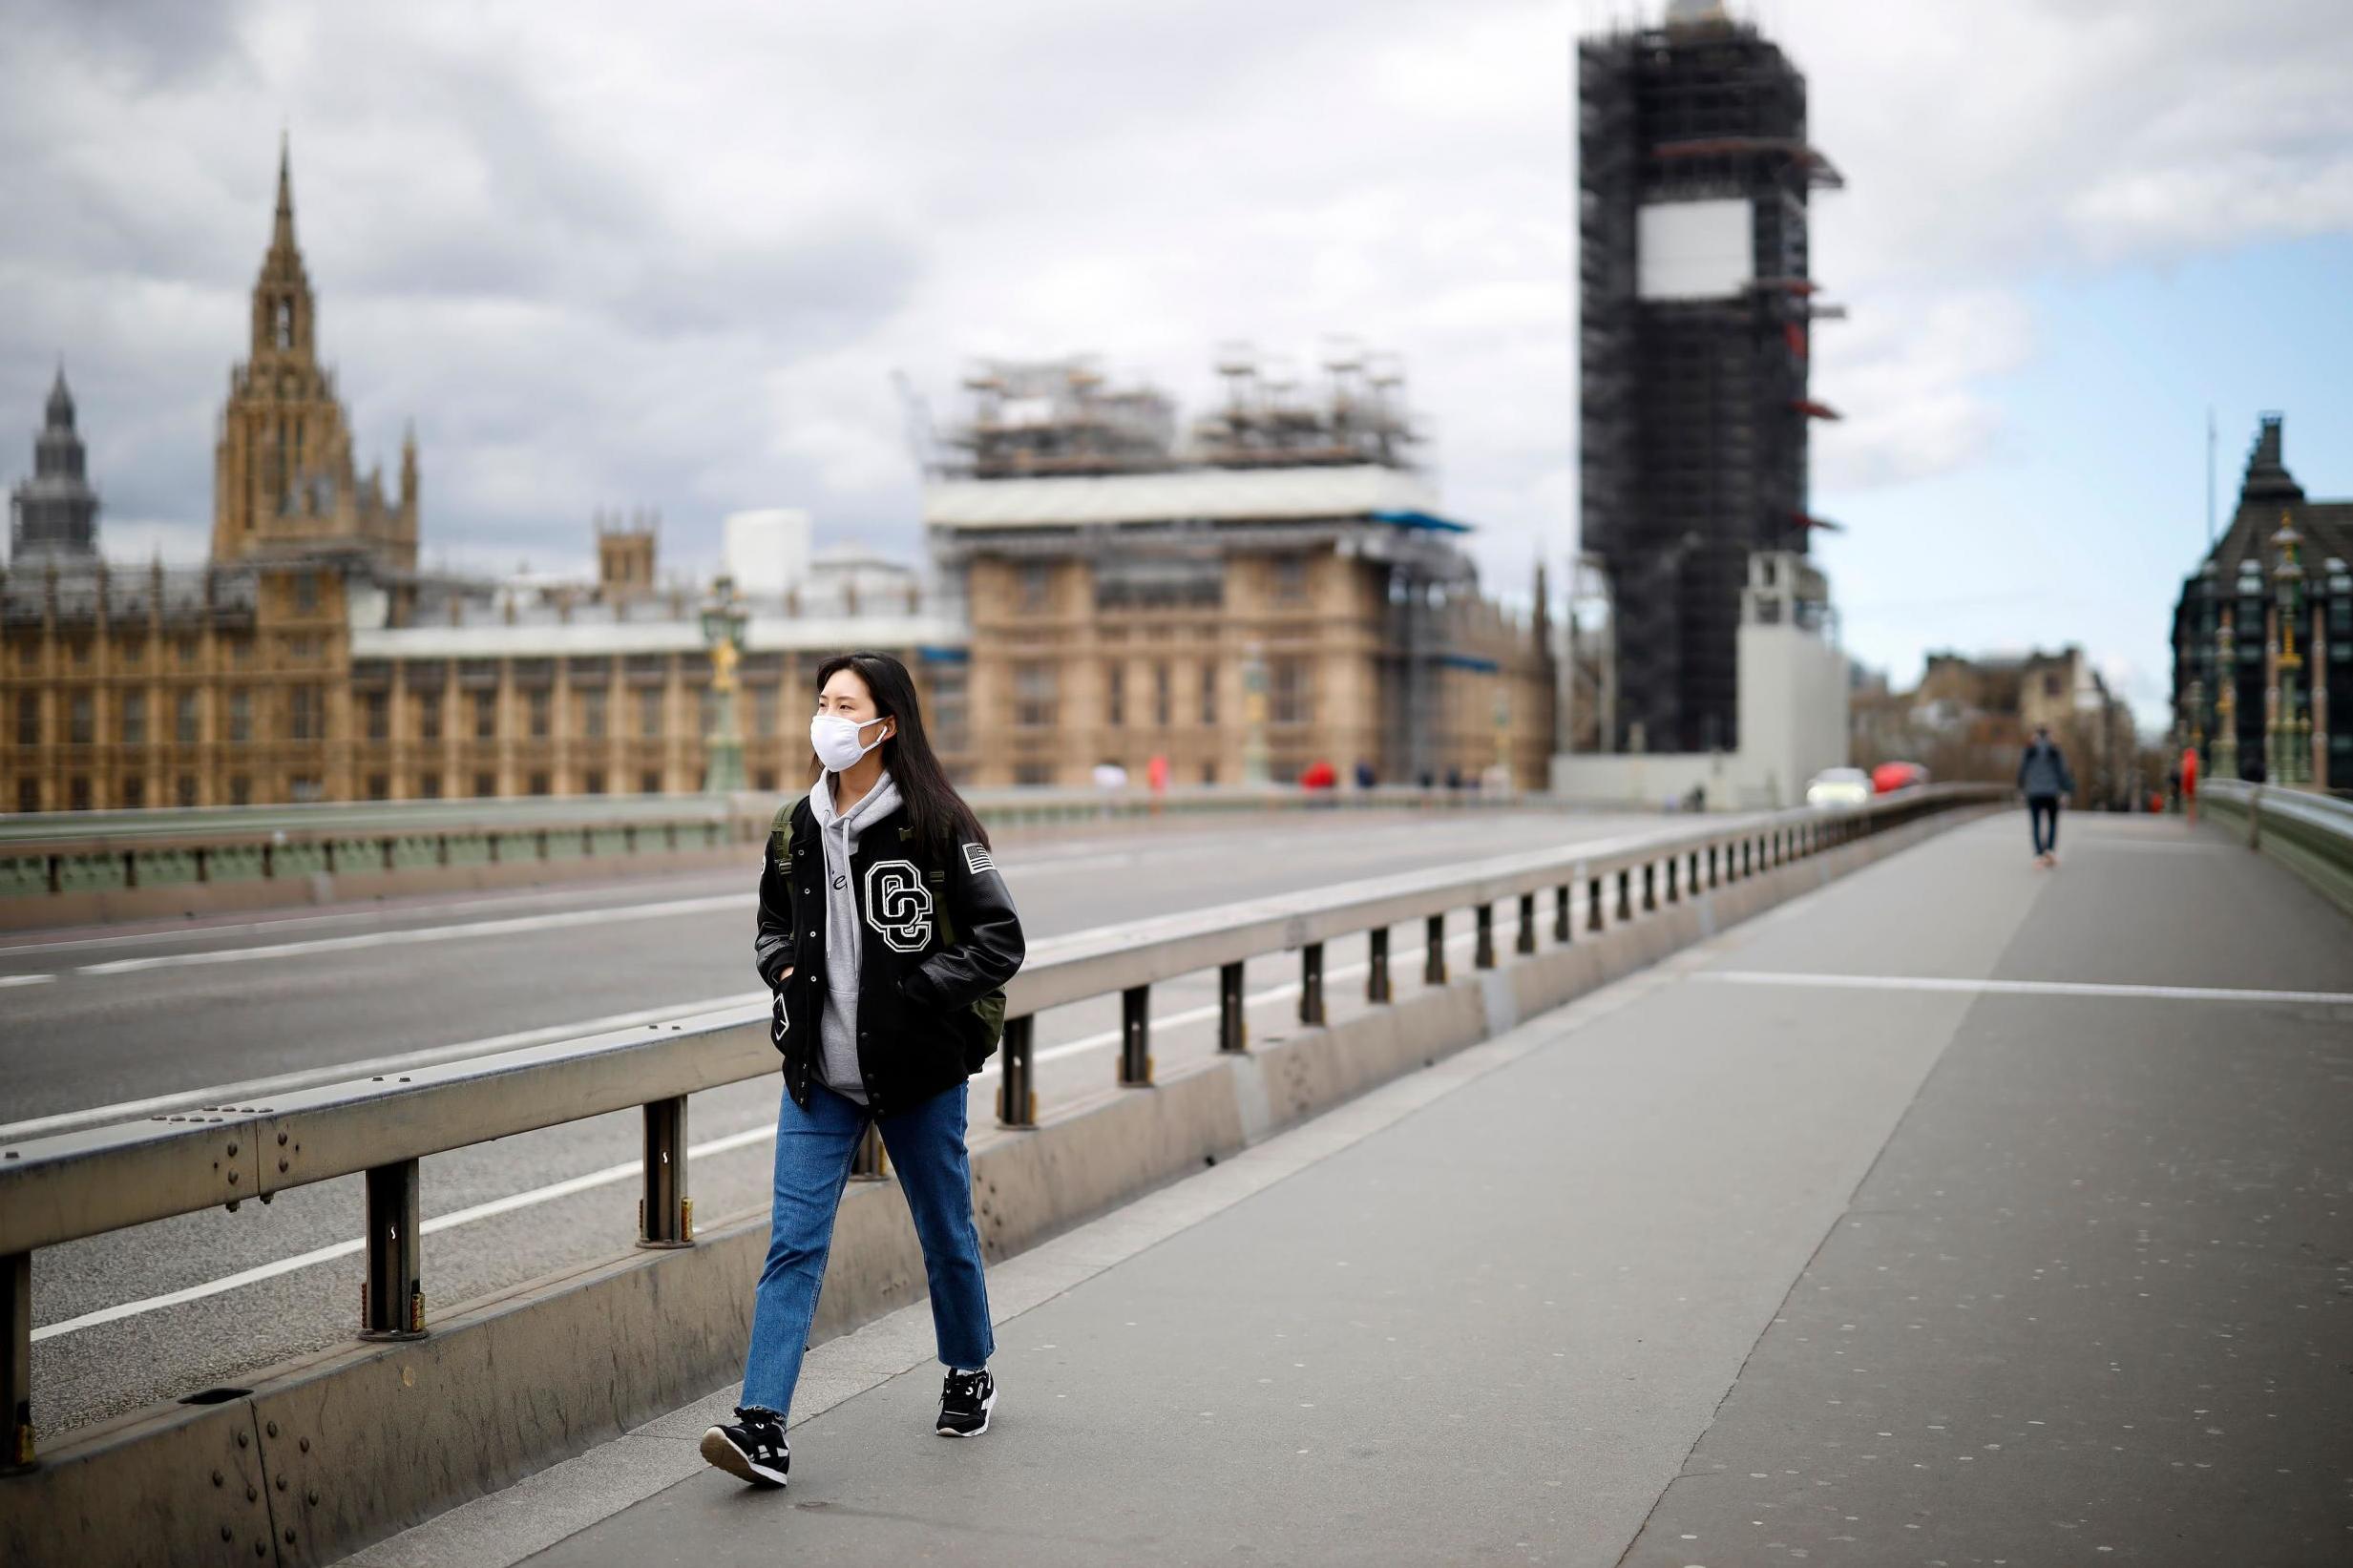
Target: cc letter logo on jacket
[[898, 905]]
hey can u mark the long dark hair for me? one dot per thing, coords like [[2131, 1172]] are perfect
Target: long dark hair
[[938, 813]]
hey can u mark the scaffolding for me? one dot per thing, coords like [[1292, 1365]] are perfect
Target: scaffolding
[[1694, 410], [1266, 423], [1037, 417]]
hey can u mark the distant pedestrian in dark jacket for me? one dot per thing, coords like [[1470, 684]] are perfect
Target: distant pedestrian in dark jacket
[[2044, 778]]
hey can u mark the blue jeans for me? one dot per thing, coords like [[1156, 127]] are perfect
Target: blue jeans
[[813, 1152], [2042, 808]]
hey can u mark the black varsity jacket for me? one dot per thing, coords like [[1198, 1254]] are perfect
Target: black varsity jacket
[[939, 939]]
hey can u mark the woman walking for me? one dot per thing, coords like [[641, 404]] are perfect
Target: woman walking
[[887, 936]]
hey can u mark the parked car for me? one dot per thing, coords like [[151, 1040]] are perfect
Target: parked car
[[1840, 787], [1890, 777]]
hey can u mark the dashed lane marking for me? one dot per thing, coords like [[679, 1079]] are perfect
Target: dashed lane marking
[[2023, 987]]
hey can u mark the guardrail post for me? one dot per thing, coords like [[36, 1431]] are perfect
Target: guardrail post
[[1623, 913], [16, 1372], [1650, 886], [1675, 863], [1482, 954], [1233, 1032], [130, 868], [665, 1214], [1715, 880], [1593, 904], [1434, 964], [1526, 942], [1312, 983], [869, 1163], [392, 1295], [1377, 972], [1136, 1038], [389, 842], [1016, 1095], [1563, 922], [1691, 877]]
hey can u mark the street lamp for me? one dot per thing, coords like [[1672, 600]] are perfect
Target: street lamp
[[722, 632]]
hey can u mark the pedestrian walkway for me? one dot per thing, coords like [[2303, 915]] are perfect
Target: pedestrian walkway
[[1962, 1212]]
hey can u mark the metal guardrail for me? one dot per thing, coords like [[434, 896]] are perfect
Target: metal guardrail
[[90, 1182], [56, 853], [2310, 833]]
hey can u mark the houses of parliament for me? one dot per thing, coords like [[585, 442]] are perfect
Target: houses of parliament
[[1240, 615]]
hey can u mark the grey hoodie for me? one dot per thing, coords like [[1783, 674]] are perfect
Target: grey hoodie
[[838, 1033]]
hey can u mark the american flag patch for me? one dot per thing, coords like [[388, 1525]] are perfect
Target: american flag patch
[[976, 859]]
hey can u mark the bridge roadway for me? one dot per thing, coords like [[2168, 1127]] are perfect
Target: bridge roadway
[[1960, 1212], [135, 1013]]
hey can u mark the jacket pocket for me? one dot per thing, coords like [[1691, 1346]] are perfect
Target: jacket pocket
[[979, 1028], [780, 1020]]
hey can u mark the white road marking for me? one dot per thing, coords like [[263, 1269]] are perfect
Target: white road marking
[[413, 935], [344, 1249], [7, 980], [610, 1174], [2022, 988]]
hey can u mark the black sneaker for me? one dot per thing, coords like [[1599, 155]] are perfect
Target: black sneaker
[[754, 1448], [965, 1404]]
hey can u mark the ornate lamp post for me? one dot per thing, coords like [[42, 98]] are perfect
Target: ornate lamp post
[[722, 632], [1253, 716], [2293, 753], [2226, 699]]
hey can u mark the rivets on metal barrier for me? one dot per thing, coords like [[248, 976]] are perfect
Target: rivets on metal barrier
[[232, 1179], [227, 1534], [282, 1141], [304, 1446], [273, 1431], [219, 1479], [281, 1483], [232, 1148], [312, 1497], [289, 1534]]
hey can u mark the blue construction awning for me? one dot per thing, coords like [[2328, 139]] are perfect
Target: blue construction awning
[[1423, 519]]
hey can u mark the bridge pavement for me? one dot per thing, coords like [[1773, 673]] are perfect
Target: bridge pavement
[[1959, 1213]]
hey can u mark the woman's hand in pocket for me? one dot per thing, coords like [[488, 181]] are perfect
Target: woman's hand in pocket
[[782, 975]]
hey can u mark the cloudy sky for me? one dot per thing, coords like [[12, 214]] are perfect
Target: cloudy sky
[[612, 255]]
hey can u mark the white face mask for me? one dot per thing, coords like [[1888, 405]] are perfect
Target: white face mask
[[835, 741]]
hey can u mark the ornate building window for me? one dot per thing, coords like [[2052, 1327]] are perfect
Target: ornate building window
[[281, 329], [240, 715], [1292, 701], [485, 718], [1033, 696], [304, 719], [28, 719], [591, 717], [80, 721], [134, 718], [429, 716]]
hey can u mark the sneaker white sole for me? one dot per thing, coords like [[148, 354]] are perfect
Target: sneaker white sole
[[720, 1452], [987, 1406]]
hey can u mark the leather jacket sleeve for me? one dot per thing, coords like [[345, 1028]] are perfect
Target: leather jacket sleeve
[[771, 947], [988, 947]]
